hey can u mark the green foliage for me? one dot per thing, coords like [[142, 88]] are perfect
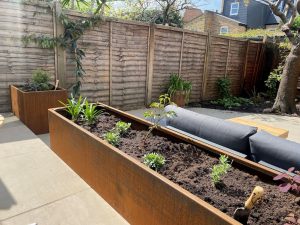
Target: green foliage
[[219, 170], [227, 100], [158, 113], [39, 81], [273, 81], [72, 33], [90, 112], [232, 101], [296, 24], [254, 33], [223, 85], [177, 83], [74, 108], [154, 160], [122, 127], [112, 138]]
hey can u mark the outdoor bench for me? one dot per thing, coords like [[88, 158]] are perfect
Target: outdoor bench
[[242, 140]]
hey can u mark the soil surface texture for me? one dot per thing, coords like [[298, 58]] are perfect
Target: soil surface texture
[[190, 167]]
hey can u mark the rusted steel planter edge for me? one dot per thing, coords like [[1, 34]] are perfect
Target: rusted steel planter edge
[[207, 209]]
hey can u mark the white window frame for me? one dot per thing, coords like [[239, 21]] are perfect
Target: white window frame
[[224, 27], [234, 6]]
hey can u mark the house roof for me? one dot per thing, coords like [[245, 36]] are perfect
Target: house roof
[[191, 13]]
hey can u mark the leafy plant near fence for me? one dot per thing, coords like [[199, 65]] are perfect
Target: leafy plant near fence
[[73, 31], [273, 81], [177, 83], [227, 100]]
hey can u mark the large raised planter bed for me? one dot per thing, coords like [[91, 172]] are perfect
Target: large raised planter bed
[[32, 107], [140, 195]]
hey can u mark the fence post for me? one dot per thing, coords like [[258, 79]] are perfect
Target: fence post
[[110, 63], [227, 58], [150, 63], [245, 66], [181, 54], [206, 62], [60, 53]]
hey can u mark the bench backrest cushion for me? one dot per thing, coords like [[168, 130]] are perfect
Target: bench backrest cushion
[[228, 134], [274, 150]]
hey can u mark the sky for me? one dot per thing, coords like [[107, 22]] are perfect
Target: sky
[[212, 5]]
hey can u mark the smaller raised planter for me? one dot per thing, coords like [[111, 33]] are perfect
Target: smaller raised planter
[[32, 107]]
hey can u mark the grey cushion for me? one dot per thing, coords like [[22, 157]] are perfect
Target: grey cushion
[[274, 150], [208, 142], [228, 134]]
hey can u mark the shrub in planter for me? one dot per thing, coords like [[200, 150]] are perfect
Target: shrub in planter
[[179, 90], [31, 101]]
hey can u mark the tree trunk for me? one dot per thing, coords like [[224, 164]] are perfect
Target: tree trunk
[[285, 99]]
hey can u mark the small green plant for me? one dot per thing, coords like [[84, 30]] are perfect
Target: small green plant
[[154, 160], [273, 81], [90, 112], [74, 107], [227, 100], [122, 127], [219, 170], [112, 138], [39, 81], [157, 112], [223, 85], [178, 84]]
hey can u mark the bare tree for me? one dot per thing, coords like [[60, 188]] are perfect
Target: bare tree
[[285, 99], [168, 5]]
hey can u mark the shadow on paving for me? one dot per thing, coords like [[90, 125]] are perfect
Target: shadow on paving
[[6, 199], [13, 131]]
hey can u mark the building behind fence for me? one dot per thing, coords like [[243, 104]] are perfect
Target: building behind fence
[[127, 64]]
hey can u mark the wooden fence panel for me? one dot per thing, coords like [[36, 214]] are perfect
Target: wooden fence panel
[[216, 66], [251, 66], [129, 65], [166, 59], [235, 67], [16, 62], [193, 59]]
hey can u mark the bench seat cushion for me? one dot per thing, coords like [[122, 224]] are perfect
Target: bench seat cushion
[[266, 148], [228, 134]]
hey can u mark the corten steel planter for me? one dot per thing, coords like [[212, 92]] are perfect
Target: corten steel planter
[[179, 98], [32, 107], [140, 195]]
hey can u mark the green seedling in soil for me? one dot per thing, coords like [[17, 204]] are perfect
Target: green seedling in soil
[[219, 170], [154, 161], [290, 183], [90, 112], [292, 219], [122, 127], [73, 107], [157, 112], [112, 138]]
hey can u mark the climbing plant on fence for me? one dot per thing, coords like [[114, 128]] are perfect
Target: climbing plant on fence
[[73, 31]]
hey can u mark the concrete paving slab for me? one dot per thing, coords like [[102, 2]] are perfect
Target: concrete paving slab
[[89, 207], [36, 186]]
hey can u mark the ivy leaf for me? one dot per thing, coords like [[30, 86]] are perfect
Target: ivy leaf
[[285, 187]]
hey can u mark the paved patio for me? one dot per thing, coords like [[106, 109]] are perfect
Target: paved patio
[[37, 187], [292, 124]]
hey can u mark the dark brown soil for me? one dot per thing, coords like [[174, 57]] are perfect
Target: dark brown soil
[[262, 107], [190, 167]]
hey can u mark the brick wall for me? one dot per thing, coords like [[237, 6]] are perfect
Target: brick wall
[[212, 22]]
